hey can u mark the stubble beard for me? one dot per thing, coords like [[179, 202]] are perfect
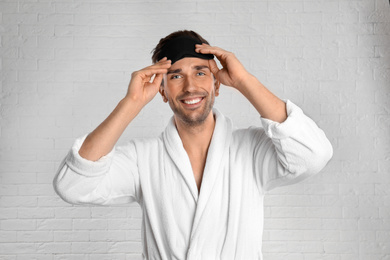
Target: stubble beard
[[198, 116]]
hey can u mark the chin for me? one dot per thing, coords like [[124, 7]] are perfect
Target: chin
[[196, 117]]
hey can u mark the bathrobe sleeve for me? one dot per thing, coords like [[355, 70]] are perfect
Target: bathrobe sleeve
[[292, 151], [113, 179]]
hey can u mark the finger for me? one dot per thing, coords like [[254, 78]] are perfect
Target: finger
[[157, 68], [207, 49], [163, 62], [158, 79], [213, 67], [151, 72]]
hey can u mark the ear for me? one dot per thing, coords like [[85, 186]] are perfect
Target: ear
[[162, 92], [217, 84]]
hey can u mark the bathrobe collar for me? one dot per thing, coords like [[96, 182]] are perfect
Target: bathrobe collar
[[217, 150]]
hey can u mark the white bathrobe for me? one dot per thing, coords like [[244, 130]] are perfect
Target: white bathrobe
[[224, 220]]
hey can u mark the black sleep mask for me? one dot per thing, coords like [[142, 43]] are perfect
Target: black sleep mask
[[182, 47]]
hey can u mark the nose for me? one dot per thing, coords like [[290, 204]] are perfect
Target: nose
[[189, 84]]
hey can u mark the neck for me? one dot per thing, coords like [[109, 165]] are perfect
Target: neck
[[196, 139]]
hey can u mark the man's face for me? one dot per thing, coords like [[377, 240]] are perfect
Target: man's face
[[190, 89]]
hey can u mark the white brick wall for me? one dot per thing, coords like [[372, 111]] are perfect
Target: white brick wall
[[66, 64]]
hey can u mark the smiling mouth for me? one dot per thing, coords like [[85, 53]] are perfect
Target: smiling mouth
[[192, 101]]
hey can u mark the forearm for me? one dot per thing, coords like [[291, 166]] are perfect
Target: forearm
[[266, 103], [102, 140]]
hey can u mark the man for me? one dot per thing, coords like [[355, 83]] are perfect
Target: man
[[200, 184]]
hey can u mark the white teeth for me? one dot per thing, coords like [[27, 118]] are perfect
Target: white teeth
[[192, 101]]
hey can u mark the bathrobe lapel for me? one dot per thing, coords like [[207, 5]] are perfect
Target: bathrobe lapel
[[217, 154], [179, 156], [218, 151]]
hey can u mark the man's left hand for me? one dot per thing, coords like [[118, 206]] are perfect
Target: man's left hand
[[233, 73]]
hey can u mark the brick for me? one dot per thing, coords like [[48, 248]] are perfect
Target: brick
[[15, 18], [35, 53], [279, 247], [36, 8], [134, 236], [18, 201], [305, 246], [320, 6], [133, 257], [108, 236], [375, 16], [39, 76], [28, 30], [120, 224], [8, 213], [35, 236], [72, 8], [103, 256], [53, 18], [35, 257], [58, 42], [90, 224], [35, 213], [111, 212], [338, 248], [341, 17], [285, 7], [381, 28], [23, 64], [10, 52], [87, 19], [8, 189], [382, 236], [355, 28], [54, 248], [10, 30], [54, 224], [17, 224], [250, 7], [71, 256], [289, 29], [8, 7], [124, 247], [285, 235], [8, 236], [378, 39], [282, 212], [304, 18], [18, 248], [95, 247], [340, 224], [81, 41], [71, 30], [214, 7], [72, 212], [71, 236]]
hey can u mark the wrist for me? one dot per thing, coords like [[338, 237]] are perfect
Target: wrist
[[129, 107], [131, 103], [246, 84]]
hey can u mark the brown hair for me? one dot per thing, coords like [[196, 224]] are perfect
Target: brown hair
[[156, 51]]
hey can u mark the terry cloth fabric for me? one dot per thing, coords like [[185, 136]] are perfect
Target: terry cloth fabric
[[182, 47], [225, 219]]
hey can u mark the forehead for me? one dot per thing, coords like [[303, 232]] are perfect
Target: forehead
[[189, 63]]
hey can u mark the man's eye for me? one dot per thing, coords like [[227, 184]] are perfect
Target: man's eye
[[175, 77], [200, 74]]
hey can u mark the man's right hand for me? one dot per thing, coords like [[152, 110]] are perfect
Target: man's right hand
[[142, 89]]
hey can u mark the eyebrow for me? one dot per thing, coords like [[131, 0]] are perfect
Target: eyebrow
[[173, 71], [199, 67]]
